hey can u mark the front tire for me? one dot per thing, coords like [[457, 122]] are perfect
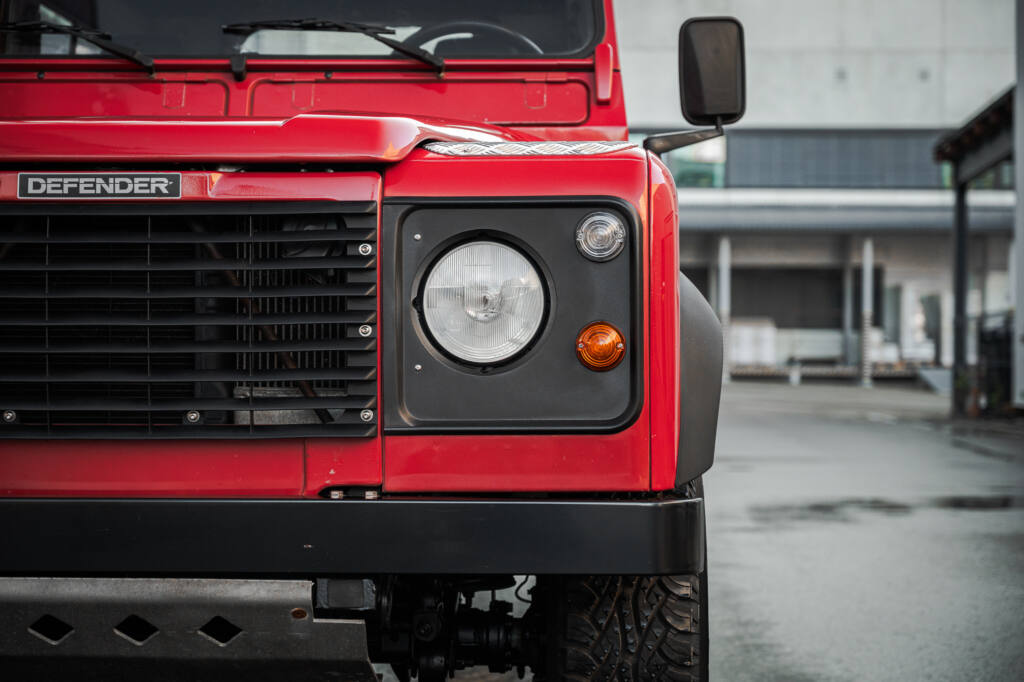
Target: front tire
[[628, 629]]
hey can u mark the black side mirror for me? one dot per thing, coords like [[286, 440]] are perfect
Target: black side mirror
[[712, 83]]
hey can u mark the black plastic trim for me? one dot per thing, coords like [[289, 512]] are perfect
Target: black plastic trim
[[700, 382], [309, 538]]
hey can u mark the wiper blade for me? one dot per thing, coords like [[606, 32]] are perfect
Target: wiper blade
[[378, 33], [98, 38]]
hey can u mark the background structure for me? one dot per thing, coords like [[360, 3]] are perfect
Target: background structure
[[832, 166]]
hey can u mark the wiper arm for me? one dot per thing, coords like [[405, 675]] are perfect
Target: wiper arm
[[378, 33], [98, 38]]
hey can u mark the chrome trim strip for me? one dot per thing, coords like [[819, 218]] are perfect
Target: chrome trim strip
[[528, 148]]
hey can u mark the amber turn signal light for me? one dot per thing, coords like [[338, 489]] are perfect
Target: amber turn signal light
[[600, 346]]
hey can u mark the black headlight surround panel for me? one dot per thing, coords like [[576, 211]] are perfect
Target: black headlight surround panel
[[544, 389]]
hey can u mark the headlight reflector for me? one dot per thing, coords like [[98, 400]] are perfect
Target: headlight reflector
[[483, 302], [601, 236]]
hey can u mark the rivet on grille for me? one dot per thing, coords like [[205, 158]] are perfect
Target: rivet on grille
[[193, 416], [365, 249], [366, 415], [10, 416], [365, 330]]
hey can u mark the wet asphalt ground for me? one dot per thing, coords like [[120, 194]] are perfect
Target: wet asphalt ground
[[854, 534]]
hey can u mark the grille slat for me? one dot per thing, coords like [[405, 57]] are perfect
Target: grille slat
[[190, 265], [340, 402], [193, 431], [106, 237], [207, 347], [141, 293], [206, 319], [181, 325], [108, 375]]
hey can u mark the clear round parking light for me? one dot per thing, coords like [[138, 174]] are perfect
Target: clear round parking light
[[483, 302], [601, 236]]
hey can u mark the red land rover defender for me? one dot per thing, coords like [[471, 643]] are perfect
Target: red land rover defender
[[321, 323]]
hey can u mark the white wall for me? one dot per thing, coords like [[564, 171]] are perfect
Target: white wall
[[831, 63]]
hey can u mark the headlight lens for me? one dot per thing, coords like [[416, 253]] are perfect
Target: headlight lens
[[600, 236], [483, 302]]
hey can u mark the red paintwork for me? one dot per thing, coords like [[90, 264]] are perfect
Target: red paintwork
[[541, 462], [376, 113], [324, 138], [604, 73], [68, 97], [97, 468], [530, 100], [664, 325]]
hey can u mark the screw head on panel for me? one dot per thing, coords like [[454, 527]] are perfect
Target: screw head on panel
[[365, 249], [10, 416], [417, 236], [193, 416], [365, 330], [366, 415]]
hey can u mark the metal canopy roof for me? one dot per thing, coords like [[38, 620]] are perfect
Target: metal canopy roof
[[982, 142]]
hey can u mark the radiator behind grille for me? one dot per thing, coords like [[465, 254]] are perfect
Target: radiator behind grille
[[128, 322]]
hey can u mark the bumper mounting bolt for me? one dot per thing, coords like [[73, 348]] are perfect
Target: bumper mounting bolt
[[365, 330], [10, 416], [366, 415], [365, 249]]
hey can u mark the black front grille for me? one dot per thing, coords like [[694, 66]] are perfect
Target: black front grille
[[182, 322]]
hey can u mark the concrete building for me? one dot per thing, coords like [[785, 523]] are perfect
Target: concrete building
[[830, 170]]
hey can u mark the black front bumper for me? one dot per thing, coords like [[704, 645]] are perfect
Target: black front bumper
[[309, 538]]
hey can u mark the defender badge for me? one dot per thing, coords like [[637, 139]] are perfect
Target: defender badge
[[99, 185]]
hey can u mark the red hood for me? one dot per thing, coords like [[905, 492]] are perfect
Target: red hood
[[320, 138]]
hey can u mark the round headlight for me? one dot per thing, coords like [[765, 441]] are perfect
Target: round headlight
[[600, 236], [483, 302]]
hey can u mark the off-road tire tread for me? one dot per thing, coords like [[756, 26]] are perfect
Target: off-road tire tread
[[630, 629]]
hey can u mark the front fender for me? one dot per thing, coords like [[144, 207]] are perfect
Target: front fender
[[700, 382]]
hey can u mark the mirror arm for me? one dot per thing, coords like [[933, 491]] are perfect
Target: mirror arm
[[666, 142]]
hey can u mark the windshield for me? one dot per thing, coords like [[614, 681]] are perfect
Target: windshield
[[193, 28]]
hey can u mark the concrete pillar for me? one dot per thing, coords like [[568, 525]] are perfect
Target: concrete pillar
[[712, 263], [867, 308], [725, 301], [946, 328], [849, 340], [981, 243], [908, 311]]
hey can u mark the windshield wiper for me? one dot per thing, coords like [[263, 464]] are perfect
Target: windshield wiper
[[98, 38], [369, 30]]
